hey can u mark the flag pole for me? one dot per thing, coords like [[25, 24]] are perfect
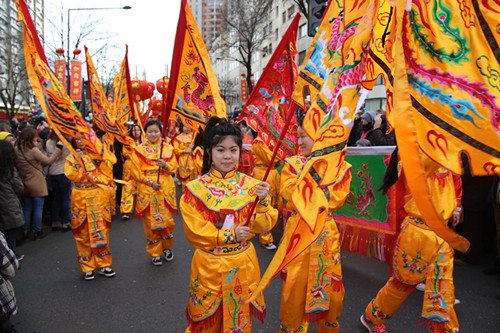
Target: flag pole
[[280, 141]]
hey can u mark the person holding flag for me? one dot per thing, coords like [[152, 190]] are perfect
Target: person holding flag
[[183, 146], [312, 282], [129, 191], [215, 210], [153, 164], [90, 212]]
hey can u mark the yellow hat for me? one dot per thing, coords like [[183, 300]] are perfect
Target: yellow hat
[[4, 135]]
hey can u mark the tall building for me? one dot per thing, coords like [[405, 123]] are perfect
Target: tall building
[[12, 65], [196, 9], [213, 20]]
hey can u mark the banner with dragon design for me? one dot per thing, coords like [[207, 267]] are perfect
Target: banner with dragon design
[[193, 91], [270, 101]]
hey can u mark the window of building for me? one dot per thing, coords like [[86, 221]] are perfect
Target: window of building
[[276, 34], [283, 17], [302, 56], [303, 30], [291, 12]]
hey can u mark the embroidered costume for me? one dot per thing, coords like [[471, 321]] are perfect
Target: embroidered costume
[[129, 190], [223, 271], [312, 283], [246, 164], [90, 212], [262, 157], [182, 144], [421, 255], [155, 207]]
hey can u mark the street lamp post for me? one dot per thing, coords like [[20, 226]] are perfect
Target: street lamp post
[[69, 28]]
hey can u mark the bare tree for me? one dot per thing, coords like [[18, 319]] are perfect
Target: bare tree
[[302, 6], [15, 90], [247, 21]]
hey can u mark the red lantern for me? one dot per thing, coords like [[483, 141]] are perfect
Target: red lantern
[[60, 51], [162, 85], [142, 90], [155, 104], [77, 52]]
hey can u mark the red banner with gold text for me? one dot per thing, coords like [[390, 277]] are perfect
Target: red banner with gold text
[[75, 91], [60, 70]]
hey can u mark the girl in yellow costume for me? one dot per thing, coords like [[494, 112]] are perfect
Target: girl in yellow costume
[[420, 255], [90, 213], [196, 157], [312, 282], [129, 190], [262, 157], [183, 146], [215, 208], [155, 195]]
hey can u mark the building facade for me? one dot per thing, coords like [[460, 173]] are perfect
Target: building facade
[[12, 65]]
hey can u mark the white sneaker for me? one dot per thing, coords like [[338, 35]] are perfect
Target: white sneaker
[[157, 261], [269, 246], [169, 255], [88, 276], [106, 271], [420, 286], [457, 301]]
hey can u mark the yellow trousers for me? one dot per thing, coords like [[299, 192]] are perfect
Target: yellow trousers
[[419, 255], [158, 241], [87, 260]]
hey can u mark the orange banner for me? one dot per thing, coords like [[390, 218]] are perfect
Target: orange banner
[[60, 70], [75, 91]]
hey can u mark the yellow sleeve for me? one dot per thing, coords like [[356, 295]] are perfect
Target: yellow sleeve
[[288, 181], [261, 153], [264, 217], [199, 231], [170, 159], [73, 170]]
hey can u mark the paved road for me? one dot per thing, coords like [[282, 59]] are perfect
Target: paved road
[[53, 297]]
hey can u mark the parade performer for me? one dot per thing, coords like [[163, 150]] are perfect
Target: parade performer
[[183, 146], [90, 213], [312, 282], [420, 255], [215, 208], [246, 164], [129, 190], [156, 200], [262, 157], [195, 162]]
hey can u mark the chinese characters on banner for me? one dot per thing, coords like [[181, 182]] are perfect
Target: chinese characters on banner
[[75, 91], [60, 70], [244, 88]]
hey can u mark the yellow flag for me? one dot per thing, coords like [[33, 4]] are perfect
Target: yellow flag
[[193, 92]]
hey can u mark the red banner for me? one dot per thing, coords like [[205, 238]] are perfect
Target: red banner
[[60, 70], [244, 89], [75, 91]]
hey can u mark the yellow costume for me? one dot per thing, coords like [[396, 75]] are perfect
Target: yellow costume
[[182, 144], [129, 190], [156, 207], [223, 271], [312, 282], [421, 255], [291, 168], [195, 162], [262, 157], [90, 213]]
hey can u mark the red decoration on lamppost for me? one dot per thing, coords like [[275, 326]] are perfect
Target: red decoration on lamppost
[[75, 89], [60, 66]]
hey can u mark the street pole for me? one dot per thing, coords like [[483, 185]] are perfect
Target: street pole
[[68, 82]]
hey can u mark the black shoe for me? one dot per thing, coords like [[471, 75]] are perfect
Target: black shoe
[[39, 235], [66, 227]]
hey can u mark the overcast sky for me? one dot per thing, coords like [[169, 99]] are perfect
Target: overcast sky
[[148, 29]]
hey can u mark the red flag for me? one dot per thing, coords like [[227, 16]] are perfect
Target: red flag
[[75, 80], [270, 101]]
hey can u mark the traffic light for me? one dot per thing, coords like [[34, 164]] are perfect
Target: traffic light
[[316, 9]]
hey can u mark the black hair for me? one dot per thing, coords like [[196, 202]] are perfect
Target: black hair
[[152, 122], [7, 160], [391, 173], [131, 132], [198, 139], [217, 129]]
